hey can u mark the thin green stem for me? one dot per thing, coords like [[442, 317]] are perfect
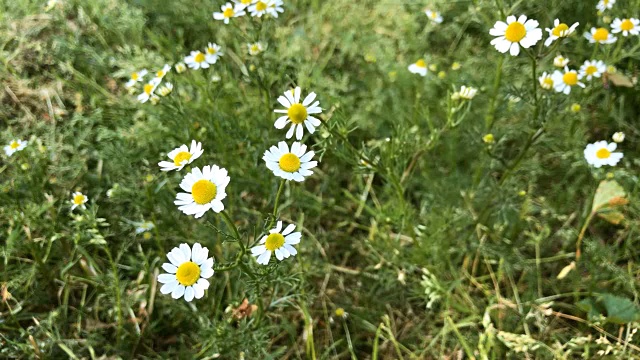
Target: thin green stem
[[275, 205], [582, 232], [490, 117]]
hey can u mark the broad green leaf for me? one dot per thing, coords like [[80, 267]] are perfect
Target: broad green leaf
[[608, 194], [619, 310]]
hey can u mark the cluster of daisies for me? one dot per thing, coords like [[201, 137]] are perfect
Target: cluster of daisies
[[257, 8], [149, 88], [204, 189]]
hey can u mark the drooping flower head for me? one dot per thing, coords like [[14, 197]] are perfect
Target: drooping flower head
[[182, 156], [278, 242], [290, 165], [255, 48], [560, 61], [205, 190], [546, 81], [187, 272], [515, 33], [300, 115], [600, 153]]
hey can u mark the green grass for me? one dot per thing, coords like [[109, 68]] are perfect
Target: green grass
[[436, 244]]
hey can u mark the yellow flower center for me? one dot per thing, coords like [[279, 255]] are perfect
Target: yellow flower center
[[180, 157], [78, 199], [228, 13], [626, 25], [203, 191], [199, 57], [434, 15], [274, 241], [14, 145], [135, 76], [160, 73], [297, 113], [421, 63], [289, 162], [211, 51], [548, 81], [515, 32], [591, 70], [560, 29], [146, 236], [188, 273], [255, 48], [601, 34], [246, 2], [260, 6], [148, 88], [570, 78], [603, 153]]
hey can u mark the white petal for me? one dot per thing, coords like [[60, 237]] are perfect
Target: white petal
[[166, 278], [189, 293], [170, 268], [178, 292]]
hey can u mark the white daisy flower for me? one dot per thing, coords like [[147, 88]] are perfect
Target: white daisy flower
[[279, 242], [560, 30], [78, 200], [560, 61], [180, 68], [290, 165], [600, 35], [419, 67], [618, 137], [600, 153], [144, 226], [182, 156], [213, 51], [515, 33], [136, 77], [148, 89], [274, 7], [163, 72], [434, 16], [242, 4], [626, 26], [258, 8], [196, 60], [228, 12], [297, 113], [605, 4], [166, 89], [204, 190], [467, 93], [591, 69], [255, 48], [546, 81], [15, 145], [562, 82], [187, 272]]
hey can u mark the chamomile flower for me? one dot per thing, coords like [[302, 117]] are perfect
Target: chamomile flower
[[255, 48], [274, 7], [563, 81], [242, 4], [298, 113], [515, 33], [560, 30], [196, 60], [166, 89], [187, 272], [560, 61], [591, 69], [182, 156], [467, 93], [605, 4], [180, 68], [148, 90], [228, 12], [205, 189], [14, 145], [160, 74], [546, 81], [78, 199], [213, 53], [258, 8], [434, 16], [279, 242], [144, 226], [618, 137], [290, 165], [419, 67], [136, 77], [602, 153], [626, 26], [600, 35]]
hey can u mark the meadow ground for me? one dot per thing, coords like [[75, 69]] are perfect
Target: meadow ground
[[489, 222]]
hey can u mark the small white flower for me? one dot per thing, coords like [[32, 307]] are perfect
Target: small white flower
[[560, 30], [546, 81], [15, 145], [213, 53], [591, 69], [228, 12], [515, 33], [274, 7], [259, 8], [600, 153], [136, 77], [148, 89], [419, 67], [160, 74], [290, 165], [605, 4], [434, 16], [205, 190], [144, 226], [600, 35], [242, 4], [78, 200], [196, 60], [182, 156], [279, 242], [562, 82], [560, 61], [255, 48], [180, 68], [626, 26], [298, 114], [618, 137], [187, 272], [166, 89], [467, 93]]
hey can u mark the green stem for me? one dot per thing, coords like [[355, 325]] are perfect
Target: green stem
[[490, 117], [582, 232], [275, 205]]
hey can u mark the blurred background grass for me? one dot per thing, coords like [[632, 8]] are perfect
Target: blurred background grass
[[434, 251]]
